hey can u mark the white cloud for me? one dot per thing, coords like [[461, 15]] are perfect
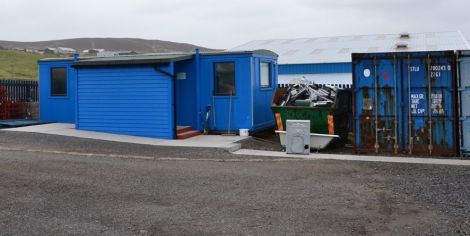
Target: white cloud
[[224, 24]]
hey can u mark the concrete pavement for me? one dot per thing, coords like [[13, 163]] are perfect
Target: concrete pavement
[[209, 141], [413, 160], [228, 143]]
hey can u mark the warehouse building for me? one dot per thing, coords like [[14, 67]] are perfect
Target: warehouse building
[[152, 95], [327, 60]]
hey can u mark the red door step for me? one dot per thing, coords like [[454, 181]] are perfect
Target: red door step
[[187, 134], [183, 129]]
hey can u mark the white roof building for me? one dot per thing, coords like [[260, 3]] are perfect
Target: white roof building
[[339, 48], [311, 57]]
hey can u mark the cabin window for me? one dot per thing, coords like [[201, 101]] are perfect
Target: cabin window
[[265, 74], [224, 78], [59, 82]]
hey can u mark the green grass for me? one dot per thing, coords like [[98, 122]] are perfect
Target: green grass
[[19, 65]]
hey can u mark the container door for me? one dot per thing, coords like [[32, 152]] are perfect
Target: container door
[[464, 78], [429, 104], [377, 111], [466, 137]]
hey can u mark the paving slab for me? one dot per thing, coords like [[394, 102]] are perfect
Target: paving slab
[[210, 141], [414, 160], [20, 123]]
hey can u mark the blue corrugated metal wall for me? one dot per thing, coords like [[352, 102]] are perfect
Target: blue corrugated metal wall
[[126, 100], [322, 68], [56, 109]]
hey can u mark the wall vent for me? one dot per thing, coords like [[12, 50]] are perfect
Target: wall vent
[[404, 35], [401, 45]]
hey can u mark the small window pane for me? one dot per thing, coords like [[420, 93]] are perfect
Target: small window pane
[[59, 82], [265, 75], [224, 78]]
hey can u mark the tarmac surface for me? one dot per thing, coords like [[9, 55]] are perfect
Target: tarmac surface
[[55, 185]]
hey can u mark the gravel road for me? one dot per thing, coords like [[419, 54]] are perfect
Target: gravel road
[[44, 193]]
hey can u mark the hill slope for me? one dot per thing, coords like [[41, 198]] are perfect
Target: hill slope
[[109, 44], [23, 65], [19, 65]]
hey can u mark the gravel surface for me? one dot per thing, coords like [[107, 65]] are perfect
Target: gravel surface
[[445, 189], [62, 194], [260, 144]]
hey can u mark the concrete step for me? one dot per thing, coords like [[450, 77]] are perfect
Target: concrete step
[[183, 129], [188, 134]]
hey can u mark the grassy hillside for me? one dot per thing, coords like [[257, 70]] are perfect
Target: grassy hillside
[[19, 65], [109, 44]]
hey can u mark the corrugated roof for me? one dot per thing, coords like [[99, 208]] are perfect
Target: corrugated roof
[[257, 52], [153, 58], [141, 59], [332, 49]]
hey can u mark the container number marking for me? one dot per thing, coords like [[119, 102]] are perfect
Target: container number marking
[[435, 74], [441, 68], [418, 104], [437, 69], [415, 101], [436, 103]]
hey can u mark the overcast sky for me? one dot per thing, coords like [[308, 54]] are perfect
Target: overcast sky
[[225, 23]]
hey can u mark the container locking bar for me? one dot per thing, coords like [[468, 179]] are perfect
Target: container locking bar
[[410, 122], [395, 135], [430, 146], [376, 145]]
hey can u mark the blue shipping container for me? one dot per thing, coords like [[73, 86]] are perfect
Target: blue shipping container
[[405, 103], [464, 88]]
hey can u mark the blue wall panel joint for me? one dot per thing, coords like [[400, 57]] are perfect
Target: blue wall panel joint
[[199, 119]]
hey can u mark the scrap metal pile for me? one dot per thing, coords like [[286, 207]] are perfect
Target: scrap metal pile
[[308, 94]]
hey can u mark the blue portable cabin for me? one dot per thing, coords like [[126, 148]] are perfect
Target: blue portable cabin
[[150, 94], [248, 106], [57, 86]]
